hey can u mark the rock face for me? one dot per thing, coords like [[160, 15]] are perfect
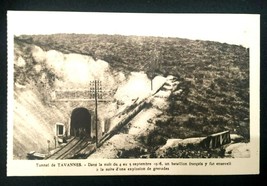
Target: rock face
[[191, 147], [36, 111], [235, 138], [174, 143], [238, 150]]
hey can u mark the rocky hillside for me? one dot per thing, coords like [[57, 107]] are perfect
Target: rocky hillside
[[37, 73], [152, 133], [213, 90], [214, 76]]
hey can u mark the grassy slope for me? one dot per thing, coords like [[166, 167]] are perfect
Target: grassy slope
[[214, 76]]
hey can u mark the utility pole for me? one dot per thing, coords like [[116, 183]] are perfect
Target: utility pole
[[96, 126], [96, 92], [154, 66]]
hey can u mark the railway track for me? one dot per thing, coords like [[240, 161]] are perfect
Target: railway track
[[70, 149], [76, 149]]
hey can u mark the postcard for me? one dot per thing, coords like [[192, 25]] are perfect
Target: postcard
[[132, 94]]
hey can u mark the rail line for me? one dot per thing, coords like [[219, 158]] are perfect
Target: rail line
[[73, 146], [75, 149]]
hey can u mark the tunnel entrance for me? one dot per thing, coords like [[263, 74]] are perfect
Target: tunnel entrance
[[80, 125]]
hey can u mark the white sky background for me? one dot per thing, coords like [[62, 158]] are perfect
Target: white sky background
[[226, 28]]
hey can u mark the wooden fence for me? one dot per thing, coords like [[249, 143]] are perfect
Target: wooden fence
[[217, 140]]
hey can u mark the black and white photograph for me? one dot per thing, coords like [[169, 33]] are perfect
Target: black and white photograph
[[99, 90]]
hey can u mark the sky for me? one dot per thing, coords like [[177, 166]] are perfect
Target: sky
[[238, 29]]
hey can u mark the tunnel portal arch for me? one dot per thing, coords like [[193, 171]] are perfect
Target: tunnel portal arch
[[80, 124]]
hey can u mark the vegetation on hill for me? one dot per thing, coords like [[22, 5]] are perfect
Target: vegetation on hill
[[213, 93]]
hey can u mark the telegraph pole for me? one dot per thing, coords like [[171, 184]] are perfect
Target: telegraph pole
[[96, 93], [96, 131], [154, 66]]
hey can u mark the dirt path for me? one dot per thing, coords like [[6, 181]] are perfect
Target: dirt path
[[128, 139]]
